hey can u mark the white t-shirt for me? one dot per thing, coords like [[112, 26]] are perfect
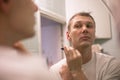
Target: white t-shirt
[[14, 66], [100, 67]]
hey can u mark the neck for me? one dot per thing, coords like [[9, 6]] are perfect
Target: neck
[[7, 38], [86, 54], [7, 41]]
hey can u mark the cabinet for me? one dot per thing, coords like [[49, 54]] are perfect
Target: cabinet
[[55, 6], [97, 10]]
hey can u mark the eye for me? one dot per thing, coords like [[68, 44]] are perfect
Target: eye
[[78, 25], [89, 25]]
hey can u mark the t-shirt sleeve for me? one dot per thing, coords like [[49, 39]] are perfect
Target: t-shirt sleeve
[[112, 71], [55, 71]]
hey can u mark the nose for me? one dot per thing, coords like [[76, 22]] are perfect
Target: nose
[[84, 29], [35, 7]]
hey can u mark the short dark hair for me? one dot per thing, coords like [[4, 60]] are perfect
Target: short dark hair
[[87, 14]]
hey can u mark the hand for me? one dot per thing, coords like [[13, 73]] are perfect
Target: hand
[[74, 62], [74, 59], [19, 46]]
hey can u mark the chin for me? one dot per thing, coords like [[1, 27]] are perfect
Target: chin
[[32, 34], [29, 35], [85, 44]]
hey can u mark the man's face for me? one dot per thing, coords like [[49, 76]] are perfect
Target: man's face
[[21, 17], [82, 32]]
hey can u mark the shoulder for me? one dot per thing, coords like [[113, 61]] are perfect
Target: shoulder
[[107, 66], [58, 65], [54, 69], [104, 58]]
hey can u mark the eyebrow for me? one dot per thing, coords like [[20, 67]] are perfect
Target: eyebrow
[[83, 22]]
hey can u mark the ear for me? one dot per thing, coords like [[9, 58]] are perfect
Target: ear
[[5, 6], [68, 35]]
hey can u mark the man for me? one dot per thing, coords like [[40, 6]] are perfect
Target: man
[[80, 62], [16, 23]]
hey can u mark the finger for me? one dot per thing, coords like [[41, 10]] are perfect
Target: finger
[[77, 52], [19, 46], [69, 53], [74, 53], [66, 50]]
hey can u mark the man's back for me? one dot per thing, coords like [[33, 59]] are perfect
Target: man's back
[[17, 66]]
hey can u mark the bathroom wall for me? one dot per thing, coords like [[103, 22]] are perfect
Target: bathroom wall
[[111, 46]]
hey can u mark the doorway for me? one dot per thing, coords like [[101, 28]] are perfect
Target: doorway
[[51, 40]]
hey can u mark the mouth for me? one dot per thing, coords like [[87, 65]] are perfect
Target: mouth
[[85, 38]]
